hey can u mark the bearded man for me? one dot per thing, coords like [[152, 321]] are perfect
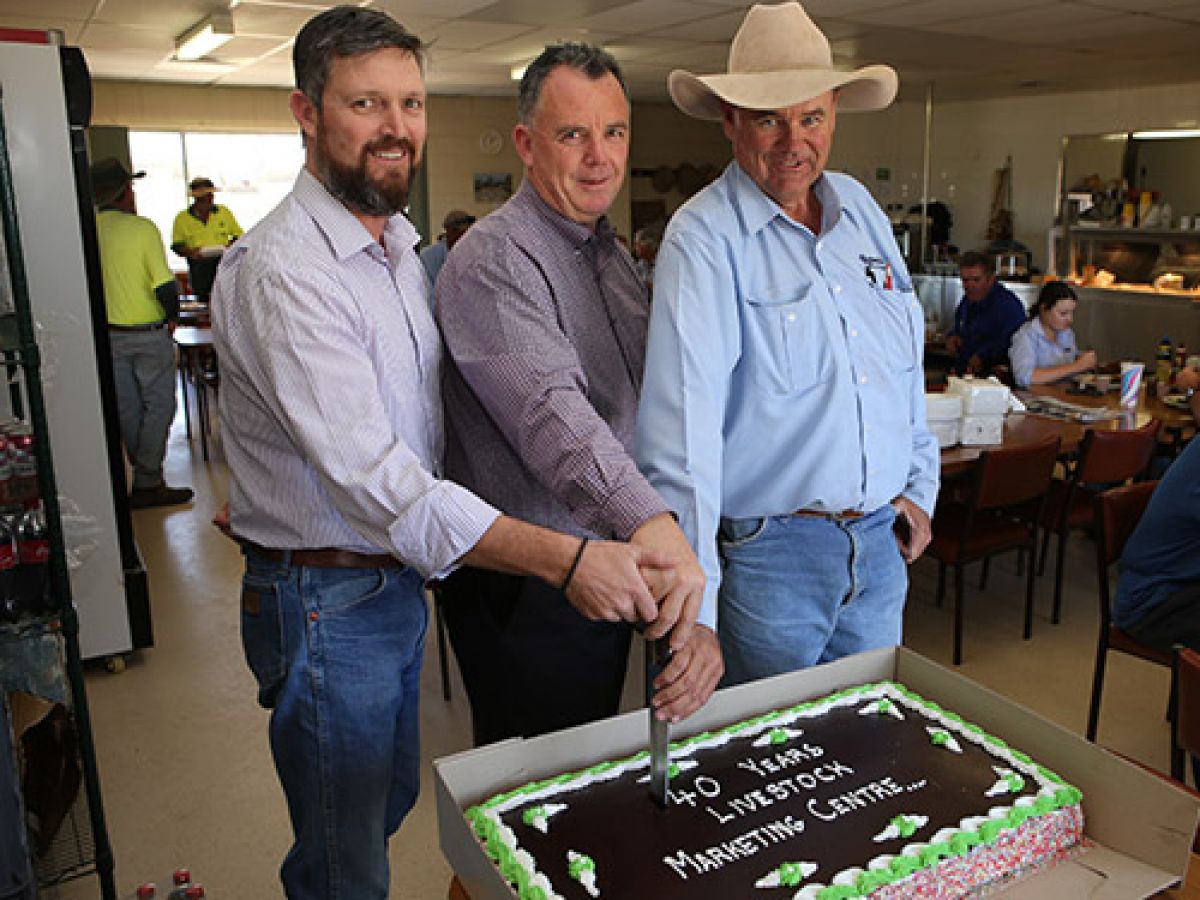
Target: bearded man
[[331, 420]]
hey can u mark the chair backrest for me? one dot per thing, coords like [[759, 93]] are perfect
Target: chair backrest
[[1009, 476], [1118, 511], [1107, 457], [1187, 713]]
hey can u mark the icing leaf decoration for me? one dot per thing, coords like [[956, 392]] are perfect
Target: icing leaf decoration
[[943, 738], [533, 814], [906, 826], [1015, 782], [791, 874], [779, 736], [580, 863]]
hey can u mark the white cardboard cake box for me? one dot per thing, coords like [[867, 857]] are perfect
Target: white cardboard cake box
[[1141, 825]]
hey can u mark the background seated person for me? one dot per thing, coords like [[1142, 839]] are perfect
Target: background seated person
[[1158, 597], [985, 319], [1043, 349]]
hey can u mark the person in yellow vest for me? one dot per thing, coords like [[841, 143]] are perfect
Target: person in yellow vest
[[200, 235], [142, 300]]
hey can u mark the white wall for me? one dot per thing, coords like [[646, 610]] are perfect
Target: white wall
[[972, 138], [970, 142]]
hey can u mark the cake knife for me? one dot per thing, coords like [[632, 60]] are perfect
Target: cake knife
[[658, 654]]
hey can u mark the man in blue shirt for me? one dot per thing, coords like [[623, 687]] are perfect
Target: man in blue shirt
[[985, 320], [1158, 596], [454, 226], [782, 414]]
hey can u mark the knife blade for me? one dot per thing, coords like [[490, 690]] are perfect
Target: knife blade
[[658, 654]]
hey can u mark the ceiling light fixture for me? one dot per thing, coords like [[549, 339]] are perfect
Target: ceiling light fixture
[[1167, 134], [516, 73], [204, 37]]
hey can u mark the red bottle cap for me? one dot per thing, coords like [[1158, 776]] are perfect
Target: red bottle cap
[[181, 876], [196, 890], [147, 891]]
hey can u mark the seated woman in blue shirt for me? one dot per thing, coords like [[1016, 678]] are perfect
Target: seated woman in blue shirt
[[1043, 350]]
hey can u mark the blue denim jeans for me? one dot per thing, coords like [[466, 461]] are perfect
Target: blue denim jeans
[[337, 655], [798, 591]]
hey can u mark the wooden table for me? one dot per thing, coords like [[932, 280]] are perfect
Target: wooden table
[[1027, 428], [1189, 890], [192, 343]]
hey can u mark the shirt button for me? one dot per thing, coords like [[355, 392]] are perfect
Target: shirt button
[[837, 288], [853, 333], [862, 380], [791, 317]]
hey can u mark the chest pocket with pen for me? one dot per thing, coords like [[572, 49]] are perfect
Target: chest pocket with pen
[[786, 350]]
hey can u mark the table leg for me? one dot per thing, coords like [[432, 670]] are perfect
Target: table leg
[[183, 366]]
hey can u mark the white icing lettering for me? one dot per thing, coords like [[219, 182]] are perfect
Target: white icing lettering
[[685, 864], [859, 798], [720, 818], [707, 785], [752, 766], [679, 795]]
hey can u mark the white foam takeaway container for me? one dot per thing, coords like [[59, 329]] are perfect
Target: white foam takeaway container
[[980, 396], [982, 431], [943, 413]]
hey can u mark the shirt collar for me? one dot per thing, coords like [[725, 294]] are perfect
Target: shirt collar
[[576, 235], [346, 234], [758, 209]]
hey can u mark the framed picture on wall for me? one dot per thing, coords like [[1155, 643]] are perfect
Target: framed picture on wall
[[493, 187]]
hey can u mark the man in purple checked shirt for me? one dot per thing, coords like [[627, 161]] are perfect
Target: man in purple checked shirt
[[544, 317]]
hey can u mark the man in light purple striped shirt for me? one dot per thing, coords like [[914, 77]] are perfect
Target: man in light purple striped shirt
[[331, 419], [544, 318]]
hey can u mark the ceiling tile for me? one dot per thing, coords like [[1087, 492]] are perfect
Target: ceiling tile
[[720, 27], [540, 12], [465, 34], [641, 16], [174, 17], [125, 37], [525, 48], [404, 10]]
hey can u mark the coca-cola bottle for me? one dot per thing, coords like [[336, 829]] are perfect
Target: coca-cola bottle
[[33, 553], [6, 471], [24, 466], [10, 598], [181, 879]]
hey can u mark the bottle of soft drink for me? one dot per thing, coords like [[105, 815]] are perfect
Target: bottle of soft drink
[[1163, 361], [24, 466], [147, 891], [6, 471], [11, 607], [33, 554], [181, 879]]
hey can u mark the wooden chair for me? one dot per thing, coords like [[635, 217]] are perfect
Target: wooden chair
[[1186, 733], [1106, 458], [1117, 513], [1003, 506]]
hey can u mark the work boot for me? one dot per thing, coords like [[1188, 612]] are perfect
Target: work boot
[[162, 495]]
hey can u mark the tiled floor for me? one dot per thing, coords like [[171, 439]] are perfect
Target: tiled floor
[[187, 775]]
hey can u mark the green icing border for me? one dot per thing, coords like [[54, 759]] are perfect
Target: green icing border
[[900, 867]]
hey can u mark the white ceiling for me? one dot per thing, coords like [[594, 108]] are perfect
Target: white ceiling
[[966, 48]]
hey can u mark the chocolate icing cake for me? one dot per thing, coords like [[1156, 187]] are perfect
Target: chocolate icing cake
[[869, 792]]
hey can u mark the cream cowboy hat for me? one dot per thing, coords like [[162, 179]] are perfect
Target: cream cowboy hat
[[779, 58]]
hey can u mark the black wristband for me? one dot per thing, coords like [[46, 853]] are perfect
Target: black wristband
[[583, 542]]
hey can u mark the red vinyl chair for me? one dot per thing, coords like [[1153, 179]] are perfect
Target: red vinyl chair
[[1106, 458], [1000, 511], [1117, 513]]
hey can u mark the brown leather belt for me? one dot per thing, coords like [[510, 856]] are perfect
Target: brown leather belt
[[149, 326], [832, 516], [326, 558]]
